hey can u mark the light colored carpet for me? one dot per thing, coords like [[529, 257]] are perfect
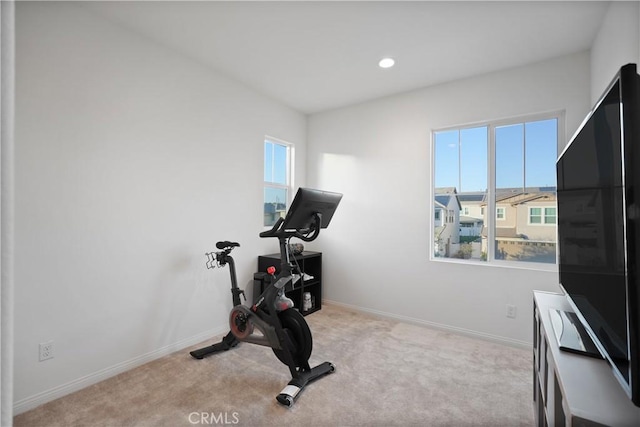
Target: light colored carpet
[[388, 374]]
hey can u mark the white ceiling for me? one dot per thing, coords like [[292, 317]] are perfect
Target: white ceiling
[[315, 56]]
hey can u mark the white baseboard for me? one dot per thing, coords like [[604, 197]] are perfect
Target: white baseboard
[[38, 399], [460, 331]]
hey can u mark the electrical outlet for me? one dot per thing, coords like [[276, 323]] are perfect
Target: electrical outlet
[[511, 311], [46, 350]]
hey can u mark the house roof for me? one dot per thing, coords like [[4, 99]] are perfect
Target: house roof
[[444, 195], [519, 190], [443, 199], [532, 197], [522, 198], [472, 197]]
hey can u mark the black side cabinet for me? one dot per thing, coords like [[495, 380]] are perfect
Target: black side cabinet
[[310, 283]]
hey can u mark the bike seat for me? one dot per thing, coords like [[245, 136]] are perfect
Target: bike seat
[[227, 244]]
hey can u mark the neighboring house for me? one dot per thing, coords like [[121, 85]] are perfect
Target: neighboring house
[[525, 226], [471, 214], [472, 204], [273, 211], [470, 226], [446, 220]]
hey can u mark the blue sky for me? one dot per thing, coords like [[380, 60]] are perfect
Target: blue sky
[[525, 155], [275, 160]]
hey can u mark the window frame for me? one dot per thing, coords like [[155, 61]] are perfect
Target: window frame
[[289, 173], [491, 125]]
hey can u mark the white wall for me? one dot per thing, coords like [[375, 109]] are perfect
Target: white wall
[[376, 253], [131, 162], [617, 43]]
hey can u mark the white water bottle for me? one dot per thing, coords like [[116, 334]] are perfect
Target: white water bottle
[[306, 301]]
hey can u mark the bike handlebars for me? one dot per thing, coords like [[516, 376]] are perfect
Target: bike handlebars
[[273, 230], [306, 235]]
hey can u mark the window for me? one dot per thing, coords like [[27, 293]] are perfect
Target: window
[[535, 215], [510, 163], [278, 171], [546, 215], [550, 215]]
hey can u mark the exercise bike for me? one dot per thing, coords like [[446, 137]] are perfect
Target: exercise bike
[[272, 321]]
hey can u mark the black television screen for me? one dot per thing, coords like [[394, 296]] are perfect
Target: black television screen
[[598, 238]]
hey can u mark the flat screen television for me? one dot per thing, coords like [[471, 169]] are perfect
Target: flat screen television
[[598, 226]]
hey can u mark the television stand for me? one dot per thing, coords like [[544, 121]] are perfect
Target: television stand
[[570, 389]]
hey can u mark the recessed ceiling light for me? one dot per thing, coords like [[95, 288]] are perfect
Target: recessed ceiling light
[[386, 63]]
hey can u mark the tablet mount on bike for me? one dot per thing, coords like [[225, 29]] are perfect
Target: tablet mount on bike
[[278, 324]]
